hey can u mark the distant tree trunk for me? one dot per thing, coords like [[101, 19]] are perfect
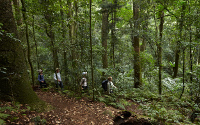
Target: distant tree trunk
[[183, 73], [177, 54], [104, 35], [17, 12], [91, 54], [14, 83], [191, 53], [36, 50], [160, 51], [48, 14], [113, 37], [156, 30], [136, 46], [28, 43], [64, 43], [145, 28], [51, 35], [74, 37]]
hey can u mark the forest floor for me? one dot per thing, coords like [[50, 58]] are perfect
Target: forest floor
[[71, 111]]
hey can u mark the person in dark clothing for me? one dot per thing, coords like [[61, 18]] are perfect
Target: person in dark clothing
[[41, 79]]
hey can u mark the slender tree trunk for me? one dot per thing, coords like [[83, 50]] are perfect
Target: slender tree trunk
[[160, 51], [191, 54], [104, 35], [179, 42], [27, 39], [36, 50], [64, 43], [145, 28], [14, 83], [48, 14], [183, 73], [136, 46], [113, 37], [91, 54], [51, 35], [156, 30]]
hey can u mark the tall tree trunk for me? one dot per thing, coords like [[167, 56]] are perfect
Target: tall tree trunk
[[14, 81], [91, 54], [36, 50], [156, 29], [104, 35], [145, 28], [136, 46], [64, 43], [48, 14], [28, 43], [113, 37], [183, 73], [177, 54], [160, 51], [191, 53]]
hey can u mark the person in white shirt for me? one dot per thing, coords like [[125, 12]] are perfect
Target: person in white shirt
[[83, 82], [57, 78], [110, 85]]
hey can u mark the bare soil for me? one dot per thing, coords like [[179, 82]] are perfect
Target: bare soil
[[72, 111]]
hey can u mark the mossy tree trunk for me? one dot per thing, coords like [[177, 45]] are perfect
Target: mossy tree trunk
[[14, 82]]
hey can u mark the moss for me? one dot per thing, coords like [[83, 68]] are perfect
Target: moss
[[14, 83]]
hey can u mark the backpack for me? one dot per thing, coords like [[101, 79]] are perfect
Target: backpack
[[104, 85]]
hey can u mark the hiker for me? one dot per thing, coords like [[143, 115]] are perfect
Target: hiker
[[83, 82], [110, 85], [57, 78], [41, 79]]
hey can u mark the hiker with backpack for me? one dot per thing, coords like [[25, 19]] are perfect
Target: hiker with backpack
[[108, 85], [41, 79], [57, 79]]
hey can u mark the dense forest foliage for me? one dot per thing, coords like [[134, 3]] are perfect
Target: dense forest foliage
[[151, 48]]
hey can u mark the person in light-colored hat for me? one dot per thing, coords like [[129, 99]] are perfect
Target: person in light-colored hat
[[57, 78], [83, 82]]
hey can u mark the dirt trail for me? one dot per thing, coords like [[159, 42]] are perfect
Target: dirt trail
[[70, 111]]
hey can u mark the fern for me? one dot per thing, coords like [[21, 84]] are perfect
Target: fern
[[3, 116]]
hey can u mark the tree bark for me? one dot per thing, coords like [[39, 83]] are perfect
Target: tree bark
[[14, 81], [49, 30], [179, 41], [91, 53], [64, 43], [136, 46], [104, 35], [36, 50], [28, 43], [113, 37], [160, 51]]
